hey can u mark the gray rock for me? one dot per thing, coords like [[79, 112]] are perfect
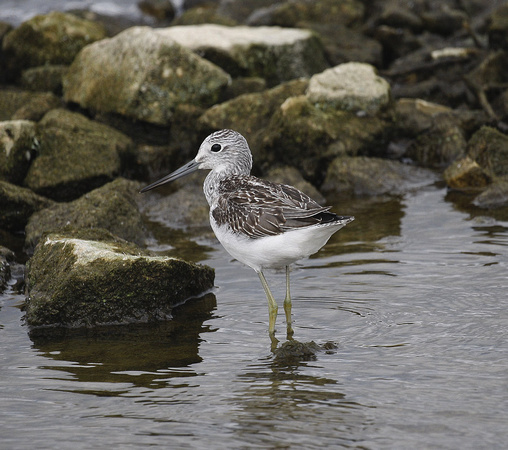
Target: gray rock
[[142, 73], [112, 207], [184, 208], [17, 148], [90, 278], [76, 155], [351, 87], [495, 196], [489, 148], [373, 176], [17, 204], [274, 53], [54, 38]]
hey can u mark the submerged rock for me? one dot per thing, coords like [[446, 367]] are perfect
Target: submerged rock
[[17, 146], [276, 54], [142, 73], [17, 204], [89, 278], [112, 207], [76, 155]]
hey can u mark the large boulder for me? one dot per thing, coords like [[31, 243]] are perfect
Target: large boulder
[[274, 53], [76, 155], [89, 278], [54, 38], [112, 207], [142, 73], [17, 145], [17, 204]]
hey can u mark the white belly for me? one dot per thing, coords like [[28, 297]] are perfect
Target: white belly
[[274, 251]]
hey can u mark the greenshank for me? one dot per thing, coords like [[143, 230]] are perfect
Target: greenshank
[[263, 225]]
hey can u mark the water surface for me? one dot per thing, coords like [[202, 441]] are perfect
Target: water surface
[[413, 295]]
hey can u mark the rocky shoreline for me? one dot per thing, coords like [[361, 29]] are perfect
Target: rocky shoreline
[[335, 97]]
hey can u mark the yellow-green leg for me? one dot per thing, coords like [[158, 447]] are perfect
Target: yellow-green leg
[[287, 307], [272, 304]]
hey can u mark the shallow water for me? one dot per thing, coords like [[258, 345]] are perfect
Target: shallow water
[[413, 294]]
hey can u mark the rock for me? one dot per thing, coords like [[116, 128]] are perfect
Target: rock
[[185, 208], [303, 135], [17, 147], [46, 78], [76, 155], [112, 207], [414, 116], [6, 256], [161, 10], [90, 278], [343, 44], [439, 145], [465, 173], [292, 13], [350, 87], [244, 85], [37, 106], [498, 28], [495, 196], [489, 148], [16, 104], [444, 21], [17, 204], [142, 73], [241, 10], [54, 38], [273, 53], [206, 13], [291, 176], [373, 176]]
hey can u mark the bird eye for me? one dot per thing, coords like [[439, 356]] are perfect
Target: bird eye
[[216, 148]]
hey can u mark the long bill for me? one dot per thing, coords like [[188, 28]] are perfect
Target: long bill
[[183, 171]]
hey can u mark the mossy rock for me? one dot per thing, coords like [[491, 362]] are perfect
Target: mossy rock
[[86, 278], [54, 38], [17, 204], [76, 155], [112, 206]]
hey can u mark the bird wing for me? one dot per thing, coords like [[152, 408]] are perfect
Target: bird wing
[[260, 208]]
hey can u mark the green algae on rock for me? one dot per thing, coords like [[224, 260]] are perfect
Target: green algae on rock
[[86, 278]]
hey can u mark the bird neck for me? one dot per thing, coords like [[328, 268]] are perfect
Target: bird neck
[[214, 178]]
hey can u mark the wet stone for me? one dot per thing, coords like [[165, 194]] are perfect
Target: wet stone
[[86, 278]]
